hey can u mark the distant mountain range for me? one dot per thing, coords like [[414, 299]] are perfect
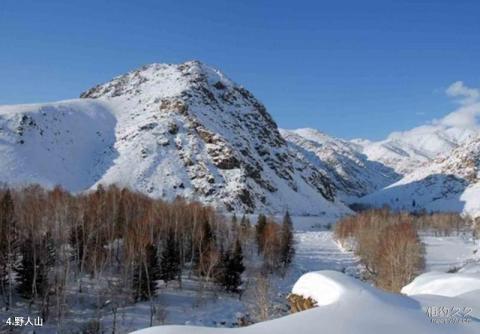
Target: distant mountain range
[[187, 130], [352, 173], [448, 183]]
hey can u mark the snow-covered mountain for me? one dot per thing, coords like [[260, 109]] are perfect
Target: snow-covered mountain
[[352, 173], [450, 182], [408, 150], [165, 130]]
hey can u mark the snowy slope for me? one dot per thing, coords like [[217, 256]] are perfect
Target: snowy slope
[[68, 143], [408, 150], [352, 173], [346, 306], [449, 252], [449, 183], [456, 292], [349, 163], [165, 130]]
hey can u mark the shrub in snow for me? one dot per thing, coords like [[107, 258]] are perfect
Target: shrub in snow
[[300, 303]]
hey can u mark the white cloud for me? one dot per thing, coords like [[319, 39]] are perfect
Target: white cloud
[[464, 117], [468, 114], [466, 94]]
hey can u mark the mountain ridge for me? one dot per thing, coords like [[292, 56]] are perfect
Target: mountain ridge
[[188, 130], [450, 182], [176, 130], [352, 173]]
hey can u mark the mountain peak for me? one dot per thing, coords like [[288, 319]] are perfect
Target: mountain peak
[[313, 135], [162, 80]]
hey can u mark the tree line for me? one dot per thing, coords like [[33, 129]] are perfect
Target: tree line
[[125, 242], [387, 244]]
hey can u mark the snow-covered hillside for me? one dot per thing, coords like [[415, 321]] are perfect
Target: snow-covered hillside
[[165, 130], [438, 161], [187, 130], [352, 173], [449, 183], [409, 150], [69, 143], [406, 151]]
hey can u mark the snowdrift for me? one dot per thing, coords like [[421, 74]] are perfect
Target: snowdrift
[[443, 284], [348, 307]]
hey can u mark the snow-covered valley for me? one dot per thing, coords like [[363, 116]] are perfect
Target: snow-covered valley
[[359, 309], [168, 131], [188, 130]]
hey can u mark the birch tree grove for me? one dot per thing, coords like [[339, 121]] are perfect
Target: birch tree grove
[[115, 245]]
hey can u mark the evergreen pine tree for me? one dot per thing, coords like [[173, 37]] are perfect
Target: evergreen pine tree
[[8, 246], [32, 271], [245, 224], [48, 245], [170, 259], [207, 234], [287, 250], [146, 274], [234, 226], [205, 245], [120, 219], [232, 268], [245, 228], [260, 231], [77, 241]]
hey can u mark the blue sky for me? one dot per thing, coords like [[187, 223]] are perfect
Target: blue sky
[[348, 68]]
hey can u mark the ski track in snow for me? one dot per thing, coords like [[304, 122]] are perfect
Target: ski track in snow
[[316, 249]]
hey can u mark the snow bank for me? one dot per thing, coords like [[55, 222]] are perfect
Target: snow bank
[[319, 287], [443, 284], [348, 307], [445, 253]]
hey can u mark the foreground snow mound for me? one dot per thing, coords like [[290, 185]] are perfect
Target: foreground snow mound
[[349, 307], [443, 284], [328, 287], [324, 287]]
